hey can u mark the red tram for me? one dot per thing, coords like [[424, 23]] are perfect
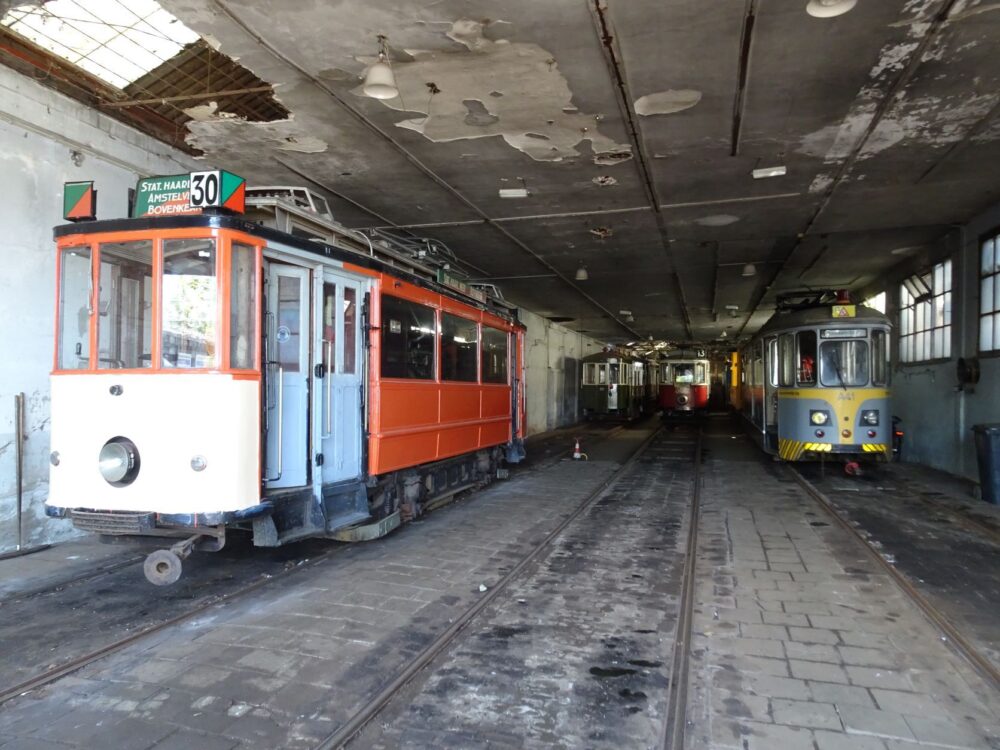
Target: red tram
[[283, 376], [684, 382]]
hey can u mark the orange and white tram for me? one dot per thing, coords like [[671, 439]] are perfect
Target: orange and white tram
[[212, 373]]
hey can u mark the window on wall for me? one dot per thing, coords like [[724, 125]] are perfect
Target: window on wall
[[989, 295], [407, 339], [876, 302], [925, 315]]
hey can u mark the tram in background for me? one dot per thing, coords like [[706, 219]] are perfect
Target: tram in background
[[274, 373], [613, 385], [685, 377], [815, 381]]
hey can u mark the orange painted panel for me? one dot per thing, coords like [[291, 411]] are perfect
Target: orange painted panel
[[407, 404], [496, 402], [401, 451], [455, 441], [495, 433], [459, 403]]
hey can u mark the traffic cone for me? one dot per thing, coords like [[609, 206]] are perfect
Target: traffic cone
[[577, 455]]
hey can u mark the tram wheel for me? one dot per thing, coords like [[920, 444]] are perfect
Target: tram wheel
[[162, 567]]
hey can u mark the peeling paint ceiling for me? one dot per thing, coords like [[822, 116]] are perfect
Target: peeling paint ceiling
[[635, 126]]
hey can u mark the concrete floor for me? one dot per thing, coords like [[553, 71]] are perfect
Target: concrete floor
[[800, 641]]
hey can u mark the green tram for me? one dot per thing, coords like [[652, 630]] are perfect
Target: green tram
[[613, 386]]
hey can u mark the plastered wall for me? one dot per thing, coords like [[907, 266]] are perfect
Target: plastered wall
[[43, 138]]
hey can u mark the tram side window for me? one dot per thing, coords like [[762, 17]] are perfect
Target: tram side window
[[699, 373], [407, 339], [459, 348], [242, 307], [602, 374], [786, 352], [807, 357], [880, 358], [494, 355], [590, 374], [74, 309], [125, 306], [189, 304]]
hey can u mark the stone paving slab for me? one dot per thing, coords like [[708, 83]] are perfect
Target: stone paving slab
[[285, 667], [839, 659]]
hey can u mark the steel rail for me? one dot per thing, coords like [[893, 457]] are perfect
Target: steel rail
[[18, 596], [353, 726], [51, 675], [677, 689], [951, 635]]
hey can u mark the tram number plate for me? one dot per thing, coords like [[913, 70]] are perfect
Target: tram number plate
[[206, 189]]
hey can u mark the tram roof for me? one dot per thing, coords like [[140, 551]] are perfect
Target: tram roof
[[822, 315]]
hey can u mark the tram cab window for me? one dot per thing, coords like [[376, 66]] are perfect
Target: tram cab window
[[494, 355], [843, 363], [189, 304], [699, 373], [665, 374], [614, 373], [242, 307], [880, 358], [684, 373], [74, 309], [407, 339], [807, 358], [786, 354], [125, 306], [459, 349], [772, 362], [602, 374]]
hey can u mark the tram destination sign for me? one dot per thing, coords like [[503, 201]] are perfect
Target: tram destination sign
[[172, 195]]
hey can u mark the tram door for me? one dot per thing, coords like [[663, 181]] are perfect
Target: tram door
[[287, 391], [771, 385], [338, 398]]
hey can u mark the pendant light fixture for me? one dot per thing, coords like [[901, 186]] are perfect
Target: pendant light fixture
[[380, 82], [829, 8], [749, 270], [581, 273]]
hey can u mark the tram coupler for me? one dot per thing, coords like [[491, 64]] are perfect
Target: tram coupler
[[163, 566]]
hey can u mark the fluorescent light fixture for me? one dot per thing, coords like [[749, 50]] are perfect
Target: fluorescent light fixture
[[829, 8], [780, 171], [581, 273], [514, 192]]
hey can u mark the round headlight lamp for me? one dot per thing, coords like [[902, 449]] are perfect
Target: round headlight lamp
[[819, 417], [118, 461]]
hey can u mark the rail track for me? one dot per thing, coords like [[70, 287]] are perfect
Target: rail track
[[673, 733], [950, 633], [54, 673]]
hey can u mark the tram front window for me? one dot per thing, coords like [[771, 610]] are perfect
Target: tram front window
[[125, 306], [683, 373], [843, 363], [189, 304]]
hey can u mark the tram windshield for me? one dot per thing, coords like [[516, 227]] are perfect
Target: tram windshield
[[843, 363]]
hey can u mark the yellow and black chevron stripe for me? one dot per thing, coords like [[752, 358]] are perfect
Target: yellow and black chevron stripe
[[792, 450], [875, 448]]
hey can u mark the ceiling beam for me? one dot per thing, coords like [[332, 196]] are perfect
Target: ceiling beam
[[743, 75], [224, 7], [616, 68]]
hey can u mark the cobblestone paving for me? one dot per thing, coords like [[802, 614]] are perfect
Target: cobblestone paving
[[577, 653], [285, 667], [802, 642]]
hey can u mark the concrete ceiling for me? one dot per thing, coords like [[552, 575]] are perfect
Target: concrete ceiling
[[884, 117]]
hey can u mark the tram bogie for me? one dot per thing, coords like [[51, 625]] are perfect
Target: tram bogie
[[212, 374], [814, 381]]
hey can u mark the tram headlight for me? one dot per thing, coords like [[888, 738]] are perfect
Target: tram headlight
[[54, 458], [199, 463], [818, 417], [118, 461], [870, 417]]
